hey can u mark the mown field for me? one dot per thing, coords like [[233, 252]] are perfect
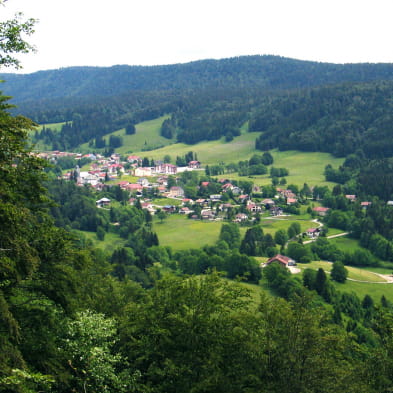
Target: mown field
[[181, 233], [147, 137], [304, 167], [360, 281]]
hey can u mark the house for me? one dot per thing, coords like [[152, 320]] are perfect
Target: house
[[208, 214], [276, 211], [282, 260], [321, 211], [215, 198], [202, 202], [365, 205], [143, 182], [194, 164], [187, 201], [149, 207], [236, 190], [103, 202], [268, 202], [143, 171], [224, 207], [241, 217], [134, 160], [133, 187], [87, 178], [313, 232], [115, 158], [291, 201], [185, 210], [167, 169], [169, 208], [176, 192], [227, 186], [243, 198], [352, 198], [253, 207], [123, 184]]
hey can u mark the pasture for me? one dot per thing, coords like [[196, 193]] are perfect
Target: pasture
[[361, 281], [180, 233]]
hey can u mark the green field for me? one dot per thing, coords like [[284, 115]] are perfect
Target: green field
[[147, 137], [211, 152], [272, 225], [361, 289], [52, 126], [353, 272], [304, 167], [182, 233], [367, 281], [345, 243]]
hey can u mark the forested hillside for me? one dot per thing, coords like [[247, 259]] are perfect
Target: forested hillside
[[269, 72], [206, 99], [337, 119]]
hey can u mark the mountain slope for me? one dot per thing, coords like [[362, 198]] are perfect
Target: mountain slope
[[270, 72]]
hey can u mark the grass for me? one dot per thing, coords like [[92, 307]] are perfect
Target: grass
[[52, 126], [181, 233], [354, 273], [211, 152], [361, 289], [146, 138], [167, 202], [345, 243], [273, 225], [370, 284], [304, 167]]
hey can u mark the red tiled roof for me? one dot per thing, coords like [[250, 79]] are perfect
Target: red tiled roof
[[320, 209], [280, 258]]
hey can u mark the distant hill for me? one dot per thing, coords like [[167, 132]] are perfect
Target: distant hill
[[269, 72], [205, 99]]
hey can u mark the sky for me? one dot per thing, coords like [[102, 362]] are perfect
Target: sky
[[151, 32]]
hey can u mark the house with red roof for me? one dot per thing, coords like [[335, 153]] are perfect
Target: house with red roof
[[313, 232], [282, 260], [321, 211], [194, 164]]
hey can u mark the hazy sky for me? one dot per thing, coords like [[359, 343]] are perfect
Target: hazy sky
[[148, 32]]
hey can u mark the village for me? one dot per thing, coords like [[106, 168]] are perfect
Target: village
[[158, 181]]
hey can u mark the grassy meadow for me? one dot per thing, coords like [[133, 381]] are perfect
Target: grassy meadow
[[146, 138], [360, 281], [181, 233], [304, 167]]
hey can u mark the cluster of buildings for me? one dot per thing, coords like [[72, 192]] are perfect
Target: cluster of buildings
[[103, 169]]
